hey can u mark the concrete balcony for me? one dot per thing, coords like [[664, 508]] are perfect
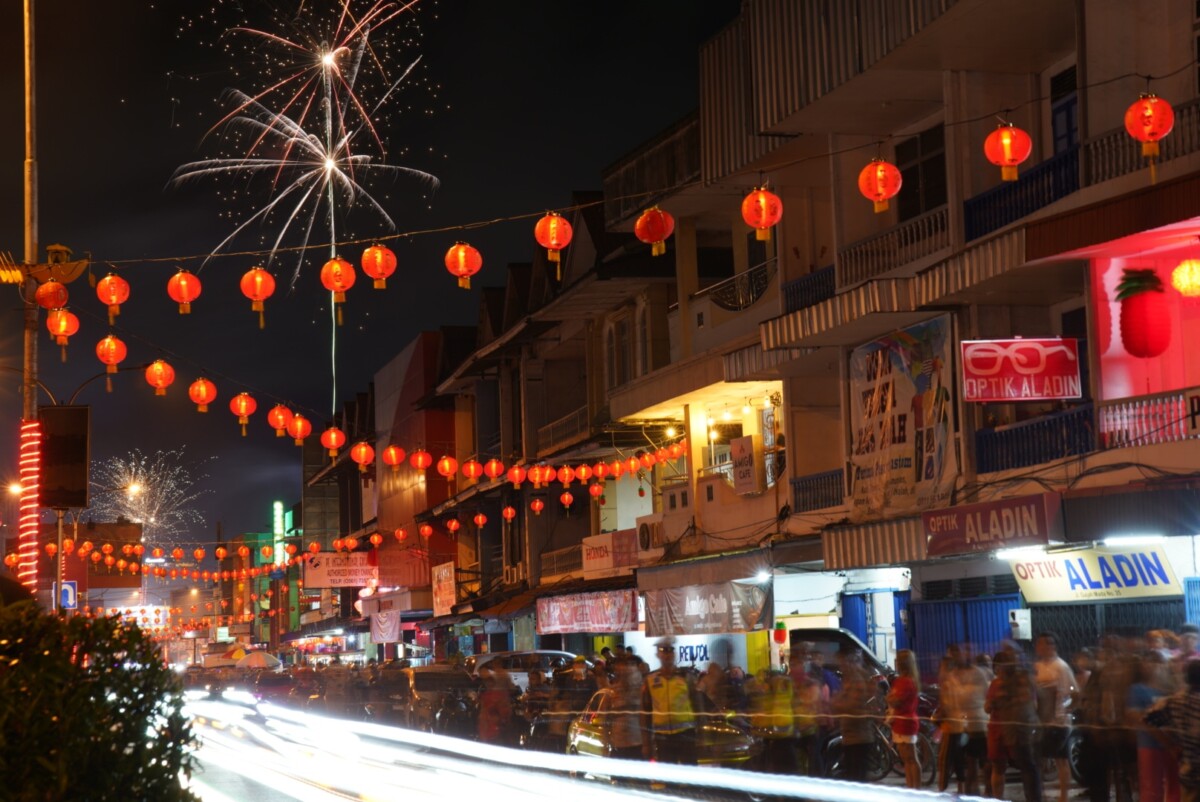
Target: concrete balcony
[[1010, 201], [1114, 154], [913, 244], [572, 428], [1037, 441], [561, 562], [819, 491]]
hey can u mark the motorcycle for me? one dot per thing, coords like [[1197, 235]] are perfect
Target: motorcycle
[[457, 714]]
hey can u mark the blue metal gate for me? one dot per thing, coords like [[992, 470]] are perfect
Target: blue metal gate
[[854, 614], [982, 622], [1191, 599], [900, 601]]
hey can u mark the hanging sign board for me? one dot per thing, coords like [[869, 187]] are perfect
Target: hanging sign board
[[1002, 371]]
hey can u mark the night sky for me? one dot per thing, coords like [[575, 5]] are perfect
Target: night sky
[[513, 106]]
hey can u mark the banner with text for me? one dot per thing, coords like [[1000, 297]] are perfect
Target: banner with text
[[969, 528], [1097, 574], [610, 611], [904, 457], [610, 554], [444, 589], [330, 569], [723, 607], [1021, 370]]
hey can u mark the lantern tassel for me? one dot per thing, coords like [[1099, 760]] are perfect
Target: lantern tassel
[[552, 255], [113, 311], [243, 430], [339, 315], [64, 353], [658, 248], [557, 269], [262, 321], [108, 384], [1153, 171]]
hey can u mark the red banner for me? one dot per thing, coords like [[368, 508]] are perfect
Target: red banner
[[1020, 370], [990, 525], [611, 611]]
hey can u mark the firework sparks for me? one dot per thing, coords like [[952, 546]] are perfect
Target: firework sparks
[[157, 491]]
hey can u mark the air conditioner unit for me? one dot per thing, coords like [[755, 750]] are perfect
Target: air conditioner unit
[[650, 536], [514, 573]]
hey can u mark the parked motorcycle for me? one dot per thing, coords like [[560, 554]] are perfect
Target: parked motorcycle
[[458, 714]]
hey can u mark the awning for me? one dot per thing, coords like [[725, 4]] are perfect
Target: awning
[[1170, 509], [523, 603], [445, 621], [798, 550], [705, 571], [883, 543]]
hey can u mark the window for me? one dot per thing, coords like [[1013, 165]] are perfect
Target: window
[[643, 338], [1064, 110], [618, 353], [922, 163]]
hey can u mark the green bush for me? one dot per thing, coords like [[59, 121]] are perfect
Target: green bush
[[88, 711]]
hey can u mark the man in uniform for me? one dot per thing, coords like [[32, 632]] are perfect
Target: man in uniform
[[668, 711]]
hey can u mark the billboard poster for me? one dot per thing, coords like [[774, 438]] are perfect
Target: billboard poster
[[903, 455], [721, 607], [608, 611], [329, 569], [444, 591]]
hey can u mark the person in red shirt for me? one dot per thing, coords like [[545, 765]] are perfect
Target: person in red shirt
[[902, 701]]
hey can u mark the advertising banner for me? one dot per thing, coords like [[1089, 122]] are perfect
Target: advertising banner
[[904, 457], [724, 607], [330, 569], [1021, 370], [611, 611], [444, 590], [1097, 574], [610, 554], [748, 466], [969, 528]]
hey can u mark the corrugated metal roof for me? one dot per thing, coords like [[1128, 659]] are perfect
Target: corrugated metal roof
[[896, 542]]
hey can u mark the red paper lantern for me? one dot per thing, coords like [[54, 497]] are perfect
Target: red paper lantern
[[111, 352], [648, 460], [338, 276], [51, 295], [363, 454], [879, 181], [1007, 147], [493, 469], [183, 287], [112, 290], [160, 375], [63, 325], [583, 473], [401, 534], [299, 428], [463, 261], [596, 490], [567, 500], [453, 525], [378, 262], [338, 544], [1148, 120], [516, 475], [279, 417], [472, 469], [266, 552], [761, 210], [508, 513], [1186, 278], [243, 405], [393, 456], [333, 439], [202, 392], [447, 466], [566, 475], [198, 554], [480, 520], [258, 285], [662, 455], [243, 551], [51, 549], [221, 552], [600, 470], [675, 450], [425, 530], [616, 467], [1145, 318], [653, 228], [420, 459], [553, 233], [314, 547], [376, 539], [537, 505]]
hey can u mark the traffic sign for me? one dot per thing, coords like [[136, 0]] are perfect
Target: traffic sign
[[68, 596]]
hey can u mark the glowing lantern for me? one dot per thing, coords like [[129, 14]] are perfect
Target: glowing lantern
[[363, 454], [155, 552], [51, 549], [202, 392], [51, 295], [447, 466], [338, 276], [338, 544], [243, 551], [375, 539], [567, 500], [243, 405], [1007, 147], [472, 469], [453, 525], [553, 233], [616, 467], [279, 417], [198, 554], [401, 534], [379, 262], [537, 505], [879, 181], [68, 545], [566, 475], [266, 552], [112, 290], [97, 556], [1145, 320], [258, 285], [314, 547], [351, 543], [761, 210], [420, 459], [463, 261], [508, 513], [583, 473], [1148, 120], [516, 475], [183, 287], [221, 552], [333, 439], [160, 375], [662, 455], [596, 490], [600, 470], [425, 530], [111, 352], [653, 228], [480, 520], [493, 469], [675, 450], [393, 456], [632, 465], [1186, 278], [62, 325], [299, 428], [291, 549]]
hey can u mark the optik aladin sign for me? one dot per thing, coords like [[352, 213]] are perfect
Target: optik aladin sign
[[1096, 574], [1020, 370]]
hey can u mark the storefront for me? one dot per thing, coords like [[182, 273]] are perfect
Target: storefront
[[586, 622], [394, 616]]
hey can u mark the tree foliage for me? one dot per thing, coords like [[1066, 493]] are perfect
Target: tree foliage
[[88, 711]]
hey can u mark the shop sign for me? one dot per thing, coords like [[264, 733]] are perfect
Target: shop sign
[[444, 591], [747, 465], [1002, 371], [969, 528], [723, 607], [610, 554], [328, 569], [1191, 400], [1097, 574], [610, 611]]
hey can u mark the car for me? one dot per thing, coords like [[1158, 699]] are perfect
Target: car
[[412, 696], [272, 686], [721, 740], [518, 664]]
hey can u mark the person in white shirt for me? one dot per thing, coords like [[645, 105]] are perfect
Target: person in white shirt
[[1056, 687]]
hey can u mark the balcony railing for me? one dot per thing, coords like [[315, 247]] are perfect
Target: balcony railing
[[562, 561], [1036, 188], [1115, 153], [567, 430], [1147, 419], [817, 491], [741, 291], [801, 293], [900, 245], [1033, 442]]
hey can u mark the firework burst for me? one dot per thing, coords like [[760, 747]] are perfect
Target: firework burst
[[157, 491]]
